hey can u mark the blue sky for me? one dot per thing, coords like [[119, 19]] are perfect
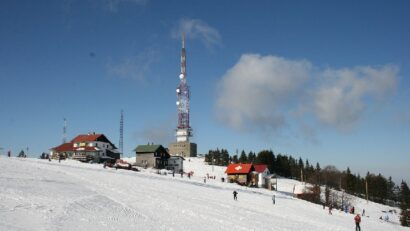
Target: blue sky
[[323, 80]]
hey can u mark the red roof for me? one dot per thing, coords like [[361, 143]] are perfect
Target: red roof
[[86, 138], [239, 169], [260, 167], [66, 147]]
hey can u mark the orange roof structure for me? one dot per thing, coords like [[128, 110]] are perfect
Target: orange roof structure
[[239, 169], [86, 138], [260, 168], [66, 147]]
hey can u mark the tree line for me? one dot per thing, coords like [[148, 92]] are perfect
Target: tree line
[[373, 187]]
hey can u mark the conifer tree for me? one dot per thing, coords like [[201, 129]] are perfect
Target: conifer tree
[[243, 158], [235, 159], [266, 157], [404, 204]]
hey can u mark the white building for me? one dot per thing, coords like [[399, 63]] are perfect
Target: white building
[[263, 171], [176, 164], [87, 147]]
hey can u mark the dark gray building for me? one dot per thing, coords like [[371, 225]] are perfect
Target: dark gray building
[[151, 156]]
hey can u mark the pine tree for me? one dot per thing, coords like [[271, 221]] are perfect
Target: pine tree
[[266, 157], [404, 204], [243, 158], [390, 189], [350, 182], [251, 157], [224, 157], [235, 159]]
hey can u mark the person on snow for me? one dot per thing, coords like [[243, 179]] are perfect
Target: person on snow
[[363, 213], [386, 218], [357, 220], [273, 199], [235, 193], [330, 209]]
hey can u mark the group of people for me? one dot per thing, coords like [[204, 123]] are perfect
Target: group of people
[[357, 218], [210, 177]]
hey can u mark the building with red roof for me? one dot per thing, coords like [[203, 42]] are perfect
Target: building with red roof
[[240, 173], [263, 171], [86, 147]]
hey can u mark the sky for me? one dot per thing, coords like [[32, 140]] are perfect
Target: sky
[[326, 81]]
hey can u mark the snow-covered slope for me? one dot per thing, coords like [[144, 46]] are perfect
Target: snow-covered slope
[[41, 195]]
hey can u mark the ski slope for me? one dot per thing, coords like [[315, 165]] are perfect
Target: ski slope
[[40, 195]]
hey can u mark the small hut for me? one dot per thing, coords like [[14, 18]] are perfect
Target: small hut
[[262, 171], [271, 182], [240, 173]]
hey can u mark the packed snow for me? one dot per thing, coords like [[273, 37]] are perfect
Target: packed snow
[[41, 195]]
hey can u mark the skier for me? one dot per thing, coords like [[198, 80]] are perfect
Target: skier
[[234, 195], [8, 153], [173, 173], [386, 218], [363, 213], [273, 199], [330, 209], [357, 220]]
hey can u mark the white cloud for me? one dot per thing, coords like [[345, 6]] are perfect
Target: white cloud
[[136, 67], [254, 91], [197, 29], [340, 99], [266, 92]]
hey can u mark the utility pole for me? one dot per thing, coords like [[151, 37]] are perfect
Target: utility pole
[[65, 131], [121, 143], [301, 174], [367, 193]]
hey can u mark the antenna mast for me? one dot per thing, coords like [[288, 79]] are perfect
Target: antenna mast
[[65, 131], [184, 130], [121, 143]]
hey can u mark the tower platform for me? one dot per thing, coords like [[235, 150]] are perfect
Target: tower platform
[[184, 149]]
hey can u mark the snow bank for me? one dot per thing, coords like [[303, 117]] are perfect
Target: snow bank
[[40, 195]]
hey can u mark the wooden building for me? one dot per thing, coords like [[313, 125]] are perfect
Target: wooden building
[[151, 156], [241, 174]]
